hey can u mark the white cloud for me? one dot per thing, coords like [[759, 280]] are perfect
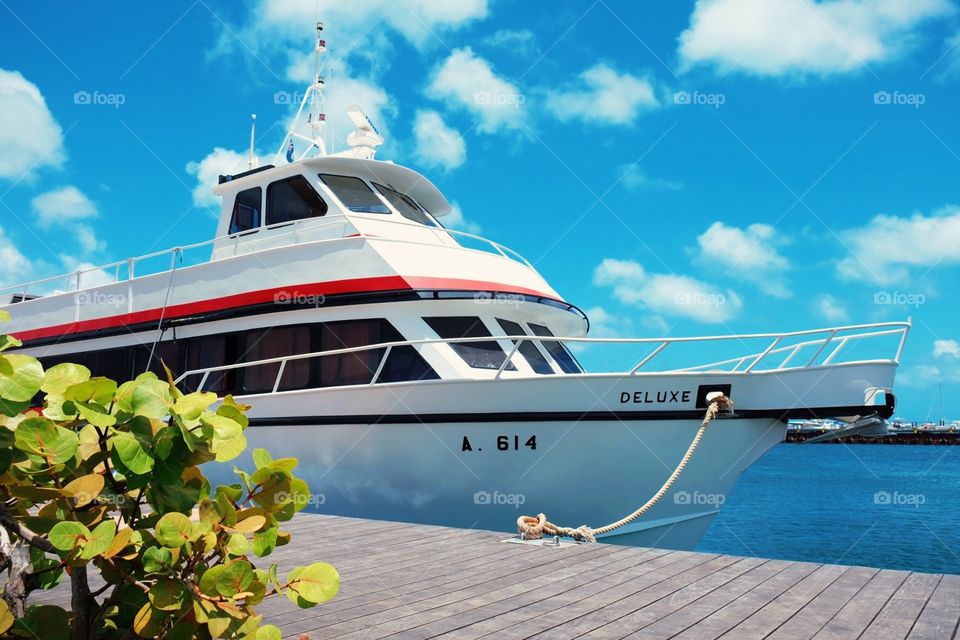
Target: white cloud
[[14, 266], [943, 348], [455, 220], [68, 207], [466, 81], [437, 144], [607, 97], [774, 37], [62, 206], [92, 277], [921, 375], [29, 136], [888, 248], [520, 42], [634, 178], [604, 324], [218, 162], [667, 294], [750, 254], [830, 309]]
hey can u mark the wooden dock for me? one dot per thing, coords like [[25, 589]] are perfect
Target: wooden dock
[[414, 581]]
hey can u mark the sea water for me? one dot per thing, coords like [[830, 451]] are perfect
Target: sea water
[[887, 506]]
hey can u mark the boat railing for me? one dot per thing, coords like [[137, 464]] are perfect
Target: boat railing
[[842, 336], [233, 245]]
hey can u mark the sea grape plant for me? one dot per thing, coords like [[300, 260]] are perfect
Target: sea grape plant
[[107, 478]]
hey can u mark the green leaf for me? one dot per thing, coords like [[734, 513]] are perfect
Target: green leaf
[[6, 618], [24, 382], [228, 439], [268, 632], [237, 544], [100, 540], [9, 342], [236, 578], [95, 414], [316, 583], [208, 581], [150, 398], [169, 595], [11, 409], [189, 407], [262, 458], [44, 621], [95, 390], [41, 437], [132, 452], [264, 542], [58, 378], [174, 530], [157, 559], [68, 535]]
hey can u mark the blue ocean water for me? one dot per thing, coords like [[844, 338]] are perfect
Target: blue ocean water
[[887, 506]]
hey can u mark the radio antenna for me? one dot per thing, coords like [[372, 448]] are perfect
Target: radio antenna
[[313, 103], [252, 160]]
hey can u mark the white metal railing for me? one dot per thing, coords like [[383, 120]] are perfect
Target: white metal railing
[[126, 270], [841, 335]]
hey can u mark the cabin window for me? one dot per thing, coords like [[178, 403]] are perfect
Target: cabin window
[[406, 205], [354, 194], [203, 353], [479, 355], [556, 349], [276, 342], [110, 363], [165, 353], [293, 199], [246, 210], [527, 349]]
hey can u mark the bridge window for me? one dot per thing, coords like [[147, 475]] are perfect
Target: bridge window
[[293, 199], [556, 349], [246, 210], [527, 349], [479, 355], [354, 194], [406, 205]]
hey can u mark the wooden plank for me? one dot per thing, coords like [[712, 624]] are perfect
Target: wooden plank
[[692, 613], [860, 611], [766, 619], [808, 621], [900, 613], [940, 615]]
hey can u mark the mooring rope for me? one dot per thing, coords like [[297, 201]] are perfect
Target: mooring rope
[[534, 528]]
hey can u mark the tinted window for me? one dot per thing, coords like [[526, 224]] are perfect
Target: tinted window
[[354, 194], [559, 352], [165, 353], [246, 210], [352, 368], [293, 199], [208, 351], [406, 205], [527, 349], [406, 364], [479, 355], [276, 343], [112, 363]]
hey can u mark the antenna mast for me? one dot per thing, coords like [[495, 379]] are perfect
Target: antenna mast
[[313, 103], [252, 161]]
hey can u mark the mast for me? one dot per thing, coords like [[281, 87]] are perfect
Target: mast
[[313, 104], [252, 160]]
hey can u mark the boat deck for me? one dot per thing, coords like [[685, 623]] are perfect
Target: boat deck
[[416, 581]]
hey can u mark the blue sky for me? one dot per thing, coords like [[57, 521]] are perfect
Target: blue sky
[[787, 163]]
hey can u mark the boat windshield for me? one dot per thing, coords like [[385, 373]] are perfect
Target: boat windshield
[[354, 194], [407, 206]]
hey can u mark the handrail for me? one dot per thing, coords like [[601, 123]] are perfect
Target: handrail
[[883, 329], [296, 228]]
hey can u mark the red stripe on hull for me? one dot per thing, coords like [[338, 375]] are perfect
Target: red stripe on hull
[[250, 298]]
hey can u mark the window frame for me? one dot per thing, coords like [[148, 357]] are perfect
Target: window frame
[[346, 207], [408, 200], [268, 205], [525, 347], [259, 210], [564, 353], [475, 350]]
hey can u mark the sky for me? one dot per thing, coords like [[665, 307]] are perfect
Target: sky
[[673, 168]]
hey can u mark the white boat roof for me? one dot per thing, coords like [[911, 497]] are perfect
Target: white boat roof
[[402, 179]]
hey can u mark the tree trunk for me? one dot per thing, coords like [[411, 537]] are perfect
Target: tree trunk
[[80, 602], [16, 555]]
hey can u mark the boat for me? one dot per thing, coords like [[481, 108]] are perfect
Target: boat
[[425, 374]]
